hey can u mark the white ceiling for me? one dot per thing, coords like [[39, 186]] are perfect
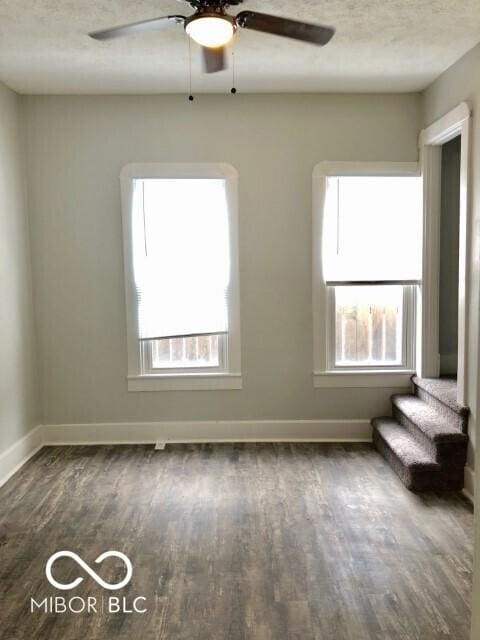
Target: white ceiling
[[380, 45]]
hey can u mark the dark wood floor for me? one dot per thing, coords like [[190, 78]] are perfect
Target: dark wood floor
[[234, 542]]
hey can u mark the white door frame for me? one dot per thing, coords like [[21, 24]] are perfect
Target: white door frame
[[455, 123]]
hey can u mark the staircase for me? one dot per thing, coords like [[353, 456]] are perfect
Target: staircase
[[426, 440]]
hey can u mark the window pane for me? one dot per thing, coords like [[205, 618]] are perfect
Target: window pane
[[181, 252], [201, 351], [368, 325], [373, 228]]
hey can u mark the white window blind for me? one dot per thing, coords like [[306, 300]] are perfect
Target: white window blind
[[372, 229], [181, 256]]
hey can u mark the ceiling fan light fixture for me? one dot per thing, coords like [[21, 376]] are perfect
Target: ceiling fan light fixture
[[210, 30]]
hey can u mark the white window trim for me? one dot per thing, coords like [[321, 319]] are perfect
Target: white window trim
[[230, 377], [456, 122], [323, 374]]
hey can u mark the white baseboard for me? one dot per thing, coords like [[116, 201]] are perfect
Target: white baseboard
[[469, 483], [19, 452], [210, 431], [191, 432], [180, 432]]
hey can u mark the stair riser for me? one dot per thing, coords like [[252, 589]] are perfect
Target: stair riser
[[454, 453], [418, 479], [460, 422]]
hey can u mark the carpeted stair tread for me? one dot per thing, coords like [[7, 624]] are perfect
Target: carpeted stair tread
[[444, 390], [431, 422], [403, 445]]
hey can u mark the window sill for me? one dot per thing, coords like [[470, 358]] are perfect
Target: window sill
[[185, 382], [392, 379]]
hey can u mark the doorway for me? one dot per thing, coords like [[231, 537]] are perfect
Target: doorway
[[433, 145], [449, 257]]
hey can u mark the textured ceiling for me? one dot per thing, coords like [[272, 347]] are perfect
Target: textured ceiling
[[380, 45]]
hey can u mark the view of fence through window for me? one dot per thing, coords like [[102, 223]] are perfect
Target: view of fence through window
[[368, 325], [198, 351]]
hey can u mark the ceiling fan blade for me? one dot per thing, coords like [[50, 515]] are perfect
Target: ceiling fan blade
[[214, 59], [304, 31], [135, 27]]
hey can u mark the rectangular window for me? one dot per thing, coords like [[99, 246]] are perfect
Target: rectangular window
[[181, 276], [367, 268]]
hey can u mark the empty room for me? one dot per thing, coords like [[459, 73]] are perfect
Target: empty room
[[239, 320]]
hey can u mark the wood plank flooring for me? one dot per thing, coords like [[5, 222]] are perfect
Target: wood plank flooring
[[235, 542]]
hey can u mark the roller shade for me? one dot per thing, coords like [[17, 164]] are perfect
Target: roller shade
[[372, 229], [181, 257]]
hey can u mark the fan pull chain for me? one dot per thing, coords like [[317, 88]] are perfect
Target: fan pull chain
[[190, 97], [233, 90]]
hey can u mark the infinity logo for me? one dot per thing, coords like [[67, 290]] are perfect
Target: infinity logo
[[87, 569]]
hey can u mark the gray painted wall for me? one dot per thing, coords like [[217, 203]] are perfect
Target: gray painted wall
[[76, 147], [18, 393], [449, 233]]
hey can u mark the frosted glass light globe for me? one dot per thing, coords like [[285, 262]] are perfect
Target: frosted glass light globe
[[210, 31]]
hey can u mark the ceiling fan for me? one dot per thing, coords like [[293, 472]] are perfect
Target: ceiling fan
[[213, 28]]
